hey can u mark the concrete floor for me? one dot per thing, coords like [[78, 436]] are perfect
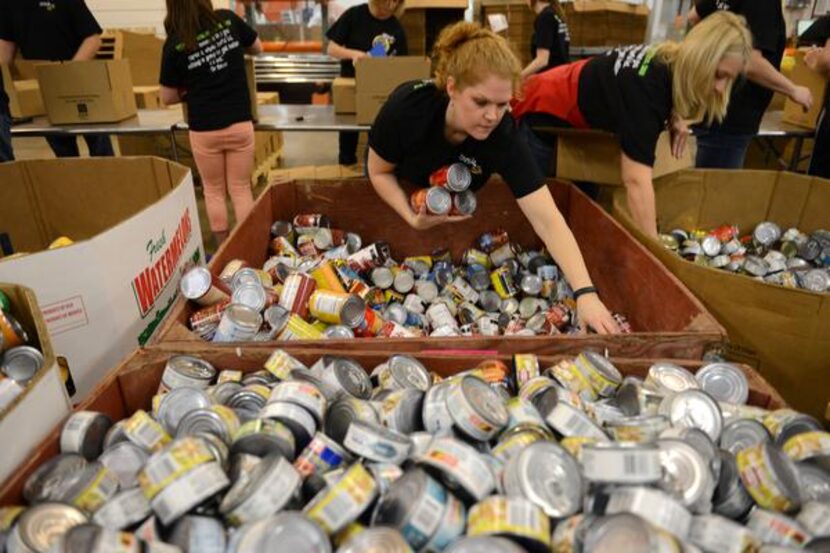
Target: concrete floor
[[300, 148]]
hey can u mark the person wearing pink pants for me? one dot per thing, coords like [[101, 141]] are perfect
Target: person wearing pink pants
[[203, 64]]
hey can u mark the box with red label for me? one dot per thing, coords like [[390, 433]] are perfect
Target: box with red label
[[133, 225]]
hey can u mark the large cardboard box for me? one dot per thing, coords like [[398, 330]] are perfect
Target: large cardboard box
[[132, 385], [44, 402], [817, 83], [606, 22], [135, 226], [87, 91], [376, 78], [343, 93], [594, 156], [784, 332], [630, 280], [143, 52], [148, 97], [24, 94]]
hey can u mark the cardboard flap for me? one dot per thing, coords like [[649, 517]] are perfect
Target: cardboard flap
[[815, 216], [19, 213]]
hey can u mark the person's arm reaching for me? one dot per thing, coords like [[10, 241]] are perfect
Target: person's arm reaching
[[637, 178], [7, 51], [761, 72], [343, 53], [88, 48], [537, 63], [550, 226], [383, 179], [170, 95]]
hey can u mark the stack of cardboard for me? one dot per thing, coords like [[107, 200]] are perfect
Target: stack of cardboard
[[23, 90], [414, 23], [606, 22], [520, 19]]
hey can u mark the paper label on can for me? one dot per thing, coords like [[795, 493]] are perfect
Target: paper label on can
[[426, 516], [344, 501], [526, 367], [452, 525], [776, 529], [8, 516], [111, 541], [74, 431], [465, 416], [628, 465], [362, 441], [188, 491], [521, 411], [759, 481], [564, 536], [463, 463], [715, 533], [163, 468], [318, 455], [271, 495], [229, 376], [569, 375], [601, 384], [570, 422], [302, 393], [146, 433], [280, 363], [776, 420], [516, 516], [123, 510], [436, 415], [815, 517], [327, 306], [654, 506], [507, 449], [97, 492], [807, 444]]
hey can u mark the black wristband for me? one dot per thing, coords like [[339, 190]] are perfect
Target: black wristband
[[583, 291]]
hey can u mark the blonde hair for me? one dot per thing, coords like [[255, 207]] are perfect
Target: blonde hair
[[398, 12], [694, 63], [469, 53]]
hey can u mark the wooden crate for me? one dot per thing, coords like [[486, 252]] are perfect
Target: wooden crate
[[669, 320], [132, 386]]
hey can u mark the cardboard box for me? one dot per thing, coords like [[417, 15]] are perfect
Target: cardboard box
[[631, 281], [376, 78], [606, 22], [131, 386], [594, 156], [143, 52], [44, 402], [87, 91], [343, 93], [817, 83], [135, 226], [24, 95], [148, 97], [783, 332]]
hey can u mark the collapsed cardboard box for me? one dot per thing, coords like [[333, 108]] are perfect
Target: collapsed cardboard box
[[24, 93], [606, 22], [376, 78], [135, 226], [817, 83], [594, 156], [630, 280], [784, 332], [44, 402], [87, 91], [343, 95], [132, 385]]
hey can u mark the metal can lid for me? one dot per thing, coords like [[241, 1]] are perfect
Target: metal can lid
[[353, 312], [125, 460], [484, 400], [483, 544], [439, 201], [695, 409], [459, 177], [724, 382], [739, 434], [251, 295], [84, 433], [814, 481], [686, 473], [207, 420], [376, 539], [21, 363], [377, 443], [509, 306], [619, 532], [293, 531], [766, 233], [351, 376], [39, 527], [191, 367], [268, 489], [243, 316], [665, 377], [408, 371], [465, 202], [382, 277], [195, 283], [343, 411], [710, 245], [178, 403], [276, 316], [198, 533], [531, 284], [46, 481], [549, 477], [815, 280]]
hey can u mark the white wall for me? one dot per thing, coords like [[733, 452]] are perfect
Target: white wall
[[134, 13]]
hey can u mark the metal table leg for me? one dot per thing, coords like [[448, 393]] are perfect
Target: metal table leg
[[174, 150], [796, 158]]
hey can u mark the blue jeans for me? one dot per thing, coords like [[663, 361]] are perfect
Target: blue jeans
[[6, 152], [99, 145], [719, 150], [820, 160]]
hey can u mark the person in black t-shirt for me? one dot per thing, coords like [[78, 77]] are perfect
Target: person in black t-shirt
[[818, 59], [56, 30], [724, 145], [635, 92], [203, 64], [6, 152], [551, 40], [364, 30], [462, 117]]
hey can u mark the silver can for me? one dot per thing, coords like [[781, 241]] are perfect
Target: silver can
[[239, 323], [41, 526], [548, 476], [725, 382], [84, 433], [271, 487], [694, 409], [686, 475], [475, 408], [186, 370], [376, 443], [621, 463]]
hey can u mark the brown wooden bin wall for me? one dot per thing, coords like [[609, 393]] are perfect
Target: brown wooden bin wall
[[132, 386], [670, 321]]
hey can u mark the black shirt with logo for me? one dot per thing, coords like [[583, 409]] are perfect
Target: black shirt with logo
[[765, 19], [213, 75], [358, 29], [551, 32], [628, 91], [409, 132], [817, 34], [47, 29]]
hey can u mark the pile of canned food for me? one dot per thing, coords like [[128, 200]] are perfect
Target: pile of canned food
[[791, 258], [448, 193], [320, 282], [574, 457], [19, 361]]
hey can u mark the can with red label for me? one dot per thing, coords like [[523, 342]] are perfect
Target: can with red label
[[431, 201], [203, 287], [312, 220], [492, 240], [455, 177], [371, 325], [373, 255], [296, 292]]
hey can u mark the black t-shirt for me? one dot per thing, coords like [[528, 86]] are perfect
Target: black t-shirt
[[4, 99], [358, 29], [551, 32], [817, 34], [409, 132], [213, 75], [765, 19], [628, 91], [47, 29]]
